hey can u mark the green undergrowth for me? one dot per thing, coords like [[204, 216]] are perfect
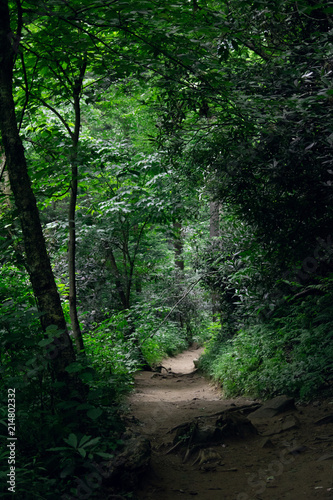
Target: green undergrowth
[[118, 344], [57, 439], [291, 353], [168, 341]]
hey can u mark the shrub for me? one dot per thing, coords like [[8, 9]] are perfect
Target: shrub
[[291, 353]]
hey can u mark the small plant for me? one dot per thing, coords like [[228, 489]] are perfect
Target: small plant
[[77, 450]]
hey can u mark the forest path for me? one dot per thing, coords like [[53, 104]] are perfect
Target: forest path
[[284, 461]]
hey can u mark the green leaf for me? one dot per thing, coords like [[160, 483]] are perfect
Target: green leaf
[[71, 440], [74, 367], [92, 442], [84, 440], [104, 455], [45, 342], [94, 413], [82, 452], [52, 329]]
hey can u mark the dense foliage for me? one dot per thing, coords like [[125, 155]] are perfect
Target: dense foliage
[[175, 161]]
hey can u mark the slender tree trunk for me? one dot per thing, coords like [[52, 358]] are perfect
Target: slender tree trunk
[[6, 189], [38, 263], [2, 164], [179, 260], [214, 222], [4, 179], [138, 285], [75, 325], [178, 246], [120, 289], [138, 282], [214, 232], [71, 216]]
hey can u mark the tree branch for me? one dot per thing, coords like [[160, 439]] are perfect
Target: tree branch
[[63, 121], [178, 302], [258, 50]]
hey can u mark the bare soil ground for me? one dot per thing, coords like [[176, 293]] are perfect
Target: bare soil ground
[[291, 457]]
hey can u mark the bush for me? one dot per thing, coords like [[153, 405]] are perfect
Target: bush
[[291, 353]]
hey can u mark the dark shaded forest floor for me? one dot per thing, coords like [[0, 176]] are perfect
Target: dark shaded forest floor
[[291, 456]]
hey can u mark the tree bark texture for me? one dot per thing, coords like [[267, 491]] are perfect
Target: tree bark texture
[[4, 180], [71, 215], [38, 263], [214, 223]]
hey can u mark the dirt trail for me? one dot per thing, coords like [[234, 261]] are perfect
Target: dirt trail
[[291, 457]]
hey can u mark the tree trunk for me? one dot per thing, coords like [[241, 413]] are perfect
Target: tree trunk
[[6, 188], [178, 246], [138, 285], [214, 232], [71, 263], [214, 221], [4, 178], [179, 260], [61, 352], [71, 215], [120, 289]]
